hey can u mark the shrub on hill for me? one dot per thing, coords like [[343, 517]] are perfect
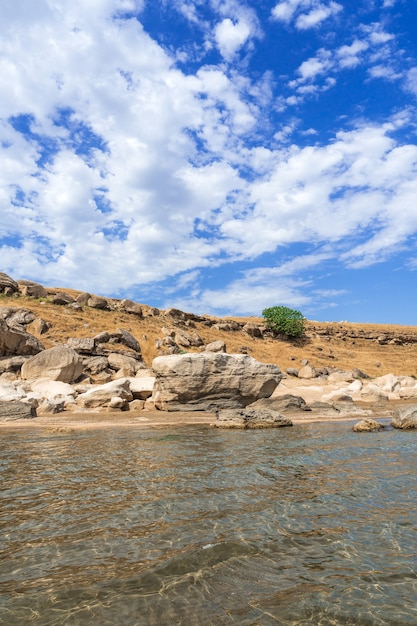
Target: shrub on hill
[[284, 320]]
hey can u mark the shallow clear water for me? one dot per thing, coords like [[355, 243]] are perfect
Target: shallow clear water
[[307, 525]]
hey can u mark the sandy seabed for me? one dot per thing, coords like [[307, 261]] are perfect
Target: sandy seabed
[[68, 421]]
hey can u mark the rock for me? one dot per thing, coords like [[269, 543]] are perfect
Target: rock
[[116, 402], [16, 317], [287, 402], [347, 408], [61, 299], [367, 425], [97, 302], [16, 410], [39, 326], [389, 383], [292, 371], [10, 391], [17, 342], [7, 284], [408, 392], [250, 419], [127, 339], [101, 395], [405, 418], [118, 361], [307, 372], [50, 389], [83, 298], [142, 387], [96, 364], [357, 373], [355, 387], [103, 337], [11, 364], [216, 346], [128, 306], [373, 393], [253, 330], [187, 340], [211, 380], [136, 405], [341, 377], [58, 363], [51, 406], [31, 289], [82, 345]]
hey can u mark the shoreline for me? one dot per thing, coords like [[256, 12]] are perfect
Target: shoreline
[[71, 422]]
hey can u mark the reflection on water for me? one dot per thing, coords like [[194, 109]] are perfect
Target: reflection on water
[[195, 526]]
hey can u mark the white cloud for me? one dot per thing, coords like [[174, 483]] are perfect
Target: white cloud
[[306, 13], [231, 36], [349, 56], [284, 11], [317, 15]]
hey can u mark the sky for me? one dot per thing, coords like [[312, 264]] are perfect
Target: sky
[[218, 156]]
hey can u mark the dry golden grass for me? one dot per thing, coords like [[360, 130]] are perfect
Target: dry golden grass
[[335, 349]]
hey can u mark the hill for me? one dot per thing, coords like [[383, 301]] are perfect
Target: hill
[[373, 348]]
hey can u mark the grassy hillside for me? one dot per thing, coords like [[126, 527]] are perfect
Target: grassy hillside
[[375, 349]]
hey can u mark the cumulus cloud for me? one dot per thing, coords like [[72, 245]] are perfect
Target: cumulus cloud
[[231, 36]]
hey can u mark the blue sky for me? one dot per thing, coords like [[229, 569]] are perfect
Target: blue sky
[[218, 156]]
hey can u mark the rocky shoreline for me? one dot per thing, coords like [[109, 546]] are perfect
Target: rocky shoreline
[[106, 375]]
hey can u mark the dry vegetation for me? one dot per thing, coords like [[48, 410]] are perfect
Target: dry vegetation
[[325, 344]]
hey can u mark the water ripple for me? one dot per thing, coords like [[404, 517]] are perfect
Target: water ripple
[[310, 525]]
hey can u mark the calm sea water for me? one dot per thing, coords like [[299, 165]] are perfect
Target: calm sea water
[[312, 524]]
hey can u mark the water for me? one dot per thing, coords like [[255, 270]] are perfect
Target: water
[[307, 525]]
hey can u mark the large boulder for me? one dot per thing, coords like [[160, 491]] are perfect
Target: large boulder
[[14, 341], [32, 289], [16, 410], [211, 380], [405, 418], [58, 363], [251, 419]]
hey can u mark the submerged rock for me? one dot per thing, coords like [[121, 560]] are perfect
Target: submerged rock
[[367, 425], [251, 419]]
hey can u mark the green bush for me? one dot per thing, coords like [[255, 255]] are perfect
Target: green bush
[[283, 320]]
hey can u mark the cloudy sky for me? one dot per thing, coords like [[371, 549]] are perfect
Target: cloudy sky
[[220, 156]]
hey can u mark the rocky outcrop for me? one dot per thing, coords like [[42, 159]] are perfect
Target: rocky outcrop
[[8, 286], [16, 410], [249, 419], [211, 380], [59, 363], [367, 426], [405, 418]]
